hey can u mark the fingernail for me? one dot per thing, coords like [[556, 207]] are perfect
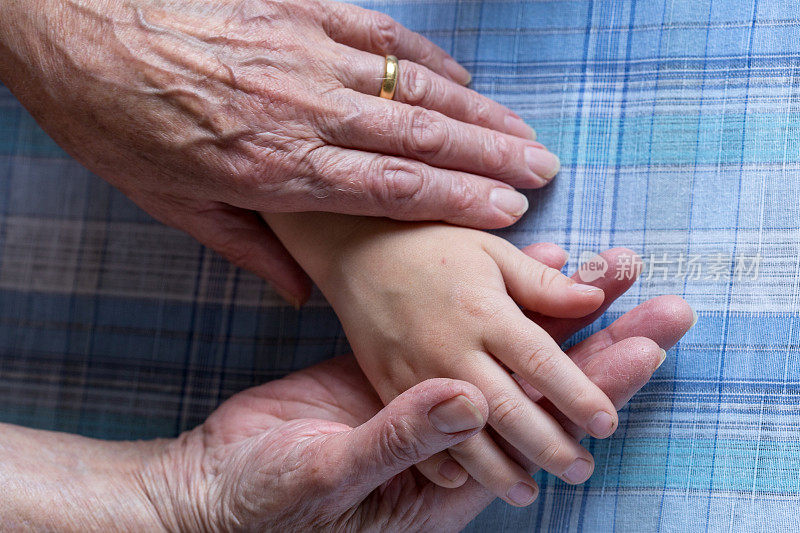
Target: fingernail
[[601, 425], [450, 470], [541, 162], [580, 287], [516, 126], [694, 320], [457, 72], [456, 415], [290, 299], [663, 358], [509, 201], [521, 494], [578, 472]]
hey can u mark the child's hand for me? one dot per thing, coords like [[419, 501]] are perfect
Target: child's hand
[[423, 300]]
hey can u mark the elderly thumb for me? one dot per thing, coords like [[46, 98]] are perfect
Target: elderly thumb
[[424, 420]]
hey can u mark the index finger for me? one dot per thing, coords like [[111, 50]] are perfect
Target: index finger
[[527, 350]]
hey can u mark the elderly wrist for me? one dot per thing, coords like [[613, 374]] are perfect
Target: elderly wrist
[[172, 481], [111, 493]]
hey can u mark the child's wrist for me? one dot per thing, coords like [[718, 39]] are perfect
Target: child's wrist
[[320, 242]]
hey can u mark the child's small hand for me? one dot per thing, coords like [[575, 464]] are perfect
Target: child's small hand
[[423, 300]]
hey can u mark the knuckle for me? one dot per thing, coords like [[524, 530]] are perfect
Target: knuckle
[[505, 411], [550, 455], [484, 309], [384, 32], [463, 195], [481, 111], [399, 443], [428, 134], [416, 85], [541, 363], [499, 153], [399, 183], [548, 277], [395, 187], [576, 399]]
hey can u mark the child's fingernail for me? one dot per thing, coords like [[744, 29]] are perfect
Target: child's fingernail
[[456, 415], [663, 358], [521, 493], [580, 287], [450, 470], [601, 425], [578, 472], [694, 320]]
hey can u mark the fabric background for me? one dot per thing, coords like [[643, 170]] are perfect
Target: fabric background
[[677, 124]]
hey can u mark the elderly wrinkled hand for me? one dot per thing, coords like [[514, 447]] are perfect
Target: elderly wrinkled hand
[[310, 452], [203, 111]]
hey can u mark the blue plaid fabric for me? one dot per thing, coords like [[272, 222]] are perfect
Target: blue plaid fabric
[[677, 123]]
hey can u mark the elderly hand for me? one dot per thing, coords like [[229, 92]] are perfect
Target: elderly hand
[[203, 111], [311, 451]]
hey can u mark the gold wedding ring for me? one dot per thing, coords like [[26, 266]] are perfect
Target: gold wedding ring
[[391, 73]]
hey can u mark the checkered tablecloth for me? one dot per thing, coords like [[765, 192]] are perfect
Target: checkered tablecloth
[[677, 123]]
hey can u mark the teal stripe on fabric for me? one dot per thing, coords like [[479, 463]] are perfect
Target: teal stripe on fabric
[[644, 464], [710, 139]]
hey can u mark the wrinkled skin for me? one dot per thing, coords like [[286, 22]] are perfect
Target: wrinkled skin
[[284, 456], [202, 111]]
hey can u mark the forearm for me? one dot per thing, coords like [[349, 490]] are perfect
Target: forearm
[[57, 481], [22, 29], [36, 38], [55, 55]]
